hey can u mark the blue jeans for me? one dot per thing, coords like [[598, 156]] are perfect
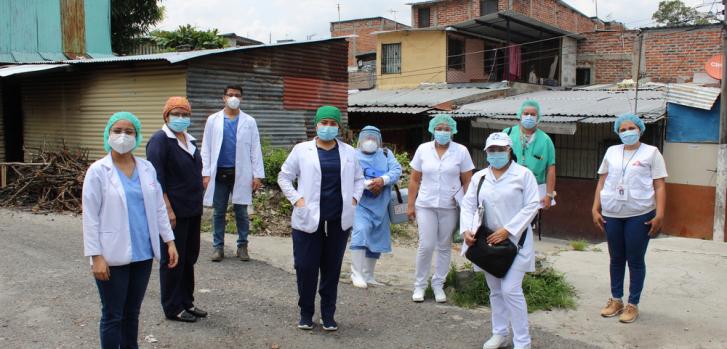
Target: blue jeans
[[628, 239], [121, 298], [219, 202]]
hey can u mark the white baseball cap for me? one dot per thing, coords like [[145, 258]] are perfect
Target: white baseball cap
[[498, 139]]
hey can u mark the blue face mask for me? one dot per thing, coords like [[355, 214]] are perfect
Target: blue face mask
[[498, 159], [443, 137], [178, 124], [529, 121], [327, 133], [629, 137]]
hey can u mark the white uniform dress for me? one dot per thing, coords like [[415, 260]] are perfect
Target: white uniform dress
[[510, 202], [436, 207]]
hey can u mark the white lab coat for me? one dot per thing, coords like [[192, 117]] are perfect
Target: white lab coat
[[303, 164], [248, 157], [512, 201], [106, 217]]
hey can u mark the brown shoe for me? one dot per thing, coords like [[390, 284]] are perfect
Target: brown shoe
[[612, 308], [218, 254], [242, 253], [630, 314]]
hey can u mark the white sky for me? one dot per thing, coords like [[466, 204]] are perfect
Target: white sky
[[299, 19]]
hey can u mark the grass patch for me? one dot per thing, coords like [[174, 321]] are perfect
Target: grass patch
[[579, 245], [545, 289]]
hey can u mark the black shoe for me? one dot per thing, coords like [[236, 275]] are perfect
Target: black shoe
[[197, 312], [305, 324], [329, 325], [184, 316]]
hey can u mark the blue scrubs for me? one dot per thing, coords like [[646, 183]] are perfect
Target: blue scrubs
[[229, 143], [141, 249], [371, 222]]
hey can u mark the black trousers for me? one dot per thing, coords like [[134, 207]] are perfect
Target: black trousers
[[321, 251], [177, 284]]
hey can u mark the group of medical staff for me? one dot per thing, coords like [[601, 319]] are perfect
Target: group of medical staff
[[137, 210]]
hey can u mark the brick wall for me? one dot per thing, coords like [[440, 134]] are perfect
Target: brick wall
[[675, 53], [551, 12], [669, 55], [365, 42]]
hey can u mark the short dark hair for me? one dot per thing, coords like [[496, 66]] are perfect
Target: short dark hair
[[232, 87]]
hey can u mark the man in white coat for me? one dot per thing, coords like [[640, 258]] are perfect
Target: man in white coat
[[232, 163]]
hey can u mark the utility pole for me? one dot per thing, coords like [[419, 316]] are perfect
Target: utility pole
[[721, 187], [638, 73], [338, 6]]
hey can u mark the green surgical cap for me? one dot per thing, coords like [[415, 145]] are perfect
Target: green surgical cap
[[328, 112], [122, 115], [629, 117], [527, 104], [442, 119]]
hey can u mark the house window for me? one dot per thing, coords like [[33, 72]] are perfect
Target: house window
[[487, 7], [423, 14], [455, 56], [390, 58], [583, 76]]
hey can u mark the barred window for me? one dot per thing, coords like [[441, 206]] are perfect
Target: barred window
[[455, 54], [424, 21], [390, 58], [487, 7]]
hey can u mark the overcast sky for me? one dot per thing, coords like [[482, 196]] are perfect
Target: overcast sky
[[301, 19]]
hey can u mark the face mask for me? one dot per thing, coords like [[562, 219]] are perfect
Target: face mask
[[233, 102], [498, 159], [327, 133], [122, 143], [529, 121], [369, 146], [178, 123], [442, 137], [629, 137]]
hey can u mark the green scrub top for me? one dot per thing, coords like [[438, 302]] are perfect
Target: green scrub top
[[537, 156]]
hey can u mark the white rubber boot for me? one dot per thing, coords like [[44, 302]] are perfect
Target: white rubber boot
[[369, 272], [357, 264]]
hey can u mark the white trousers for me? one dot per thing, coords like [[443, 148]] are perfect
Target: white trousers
[[436, 226], [507, 302]]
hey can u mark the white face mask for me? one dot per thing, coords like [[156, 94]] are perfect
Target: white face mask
[[369, 146], [122, 143], [233, 102]]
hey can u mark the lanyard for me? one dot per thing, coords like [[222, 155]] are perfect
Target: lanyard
[[624, 168]]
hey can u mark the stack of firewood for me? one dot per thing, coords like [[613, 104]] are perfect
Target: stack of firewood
[[52, 181]]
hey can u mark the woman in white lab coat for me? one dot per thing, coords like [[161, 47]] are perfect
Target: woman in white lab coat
[[440, 172], [510, 198], [124, 223], [330, 184], [629, 208]]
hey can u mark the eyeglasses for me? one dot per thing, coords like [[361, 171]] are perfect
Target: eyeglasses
[[238, 95], [119, 130]]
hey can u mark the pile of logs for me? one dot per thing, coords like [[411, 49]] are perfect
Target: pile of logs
[[52, 181]]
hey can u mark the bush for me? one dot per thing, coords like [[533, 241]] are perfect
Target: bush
[[273, 159], [579, 245], [545, 289]]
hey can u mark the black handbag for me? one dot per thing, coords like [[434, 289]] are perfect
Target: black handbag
[[225, 175], [494, 259]]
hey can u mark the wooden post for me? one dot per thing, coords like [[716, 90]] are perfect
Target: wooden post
[[721, 187], [3, 176]]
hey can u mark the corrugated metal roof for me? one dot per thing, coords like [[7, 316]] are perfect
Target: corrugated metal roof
[[692, 95], [573, 103], [176, 57], [426, 96], [27, 68], [393, 110]]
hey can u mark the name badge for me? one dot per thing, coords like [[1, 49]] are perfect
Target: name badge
[[622, 192]]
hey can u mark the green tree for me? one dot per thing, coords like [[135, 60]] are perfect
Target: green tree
[[187, 35], [130, 19], [675, 12]]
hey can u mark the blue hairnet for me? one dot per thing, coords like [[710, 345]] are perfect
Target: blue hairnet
[[629, 117], [370, 132], [527, 104], [442, 119], [122, 115]]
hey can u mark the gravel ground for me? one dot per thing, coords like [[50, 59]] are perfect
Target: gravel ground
[[49, 300]]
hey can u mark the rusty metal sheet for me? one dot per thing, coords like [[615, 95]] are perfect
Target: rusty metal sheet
[[73, 26]]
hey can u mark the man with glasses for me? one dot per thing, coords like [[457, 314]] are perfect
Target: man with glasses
[[535, 150], [232, 164]]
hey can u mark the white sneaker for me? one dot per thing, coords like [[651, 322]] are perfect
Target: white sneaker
[[418, 295], [357, 265], [496, 341], [439, 295]]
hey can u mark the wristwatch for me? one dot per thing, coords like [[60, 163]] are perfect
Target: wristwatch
[[552, 195]]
